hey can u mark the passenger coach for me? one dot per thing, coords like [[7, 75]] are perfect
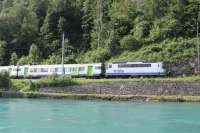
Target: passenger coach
[[37, 71]]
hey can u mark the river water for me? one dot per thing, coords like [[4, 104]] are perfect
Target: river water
[[64, 116]]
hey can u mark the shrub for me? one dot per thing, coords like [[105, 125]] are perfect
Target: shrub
[[173, 51], [50, 81], [24, 60], [55, 81], [30, 86], [5, 82], [129, 43], [98, 55], [19, 84]]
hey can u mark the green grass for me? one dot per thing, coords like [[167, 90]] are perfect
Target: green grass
[[55, 81], [50, 81]]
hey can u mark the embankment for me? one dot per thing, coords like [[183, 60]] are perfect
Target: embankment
[[144, 90], [159, 88]]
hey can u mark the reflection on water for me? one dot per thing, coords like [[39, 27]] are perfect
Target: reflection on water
[[61, 116]]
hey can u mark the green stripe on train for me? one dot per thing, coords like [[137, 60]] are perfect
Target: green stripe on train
[[90, 71], [26, 74]]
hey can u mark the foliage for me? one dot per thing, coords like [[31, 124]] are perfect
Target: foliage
[[56, 59], [129, 43], [174, 51], [19, 84], [30, 86], [97, 30], [14, 59], [2, 52], [24, 60], [50, 81], [54, 81], [5, 82], [24, 85], [34, 54], [98, 55]]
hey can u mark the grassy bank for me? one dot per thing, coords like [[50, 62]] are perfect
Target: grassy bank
[[146, 98], [28, 85]]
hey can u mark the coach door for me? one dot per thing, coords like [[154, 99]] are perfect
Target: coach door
[[26, 72], [90, 71]]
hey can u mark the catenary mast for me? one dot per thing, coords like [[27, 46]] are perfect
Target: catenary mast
[[63, 52]]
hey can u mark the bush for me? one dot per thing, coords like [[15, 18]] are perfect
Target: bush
[[174, 51], [55, 81], [24, 60], [30, 86], [19, 84], [5, 82], [24, 85], [98, 55], [129, 43], [50, 81]]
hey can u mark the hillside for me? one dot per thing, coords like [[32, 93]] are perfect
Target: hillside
[[99, 30]]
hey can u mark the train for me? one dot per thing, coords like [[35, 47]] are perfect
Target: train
[[123, 69]]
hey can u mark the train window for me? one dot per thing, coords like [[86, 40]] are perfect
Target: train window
[[59, 69], [67, 69], [33, 70], [81, 69], [44, 69], [98, 67], [133, 65], [38, 70], [53, 70], [110, 66]]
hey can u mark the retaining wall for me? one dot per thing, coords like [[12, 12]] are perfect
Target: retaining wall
[[166, 88]]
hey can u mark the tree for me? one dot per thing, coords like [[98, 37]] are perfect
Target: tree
[[2, 52], [61, 25], [101, 19], [24, 60], [129, 43], [34, 53], [14, 59], [5, 82], [87, 22]]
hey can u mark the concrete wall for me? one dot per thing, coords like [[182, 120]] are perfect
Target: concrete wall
[[133, 88]]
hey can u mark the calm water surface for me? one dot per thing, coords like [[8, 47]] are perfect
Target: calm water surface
[[63, 116]]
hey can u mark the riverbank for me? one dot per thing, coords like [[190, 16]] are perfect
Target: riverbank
[[145, 98], [138, 89], [126, 87]]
